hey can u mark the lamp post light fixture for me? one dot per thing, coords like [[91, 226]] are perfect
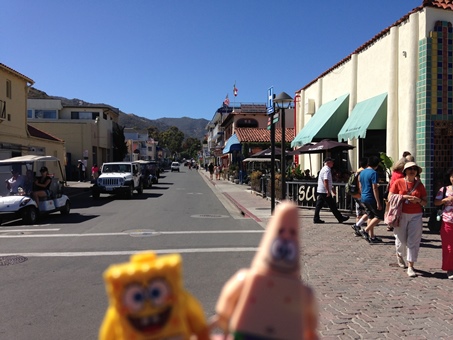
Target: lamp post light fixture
[[283, 102]]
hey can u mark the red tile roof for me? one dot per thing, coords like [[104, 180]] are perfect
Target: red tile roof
[[443, 4], [35, 132], [263, 135]]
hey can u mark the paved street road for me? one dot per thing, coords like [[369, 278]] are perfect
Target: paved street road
[[58, 292]]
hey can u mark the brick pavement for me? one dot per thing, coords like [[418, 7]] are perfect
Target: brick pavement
[[361, 292]]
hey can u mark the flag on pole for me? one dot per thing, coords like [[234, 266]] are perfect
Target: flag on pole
[[235, 89], [226, 102]]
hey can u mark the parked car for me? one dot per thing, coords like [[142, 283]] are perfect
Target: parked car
[[118, 178], [149, 173], [155, 171], [21, 204], [174, 166]]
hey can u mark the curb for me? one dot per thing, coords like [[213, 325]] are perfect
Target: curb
[[242, 209]]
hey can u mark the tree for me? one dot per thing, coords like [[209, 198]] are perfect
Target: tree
[[153, 132], [172, 139], [119, 143], [191, 147]]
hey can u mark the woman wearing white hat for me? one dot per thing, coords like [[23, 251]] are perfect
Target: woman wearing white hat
[[408, 234]]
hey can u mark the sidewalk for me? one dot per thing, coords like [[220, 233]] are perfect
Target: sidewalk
[[361, 292], [247, 201]]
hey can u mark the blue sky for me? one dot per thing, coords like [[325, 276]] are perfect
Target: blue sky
[[175, 58]]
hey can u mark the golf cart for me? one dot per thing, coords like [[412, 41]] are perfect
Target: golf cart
[[21, 204]]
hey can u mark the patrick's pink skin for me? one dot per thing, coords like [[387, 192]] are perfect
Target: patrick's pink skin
[[269, 299]]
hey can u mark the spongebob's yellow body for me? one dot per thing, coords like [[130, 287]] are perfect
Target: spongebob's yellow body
[[148, 301]]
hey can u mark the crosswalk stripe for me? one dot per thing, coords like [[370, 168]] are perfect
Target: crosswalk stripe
[[131, 252], [27, 230], [136, 233]]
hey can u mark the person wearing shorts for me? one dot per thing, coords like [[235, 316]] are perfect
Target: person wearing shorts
[[360, 210], [369, 189]]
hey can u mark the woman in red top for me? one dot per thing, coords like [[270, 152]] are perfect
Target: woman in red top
[[409, 233]]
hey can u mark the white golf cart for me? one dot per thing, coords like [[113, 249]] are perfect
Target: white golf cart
[[21, 204]]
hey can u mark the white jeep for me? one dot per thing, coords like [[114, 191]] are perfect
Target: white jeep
[[118, 178]]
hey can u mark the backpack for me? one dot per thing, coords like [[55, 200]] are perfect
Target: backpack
[[352, 186]]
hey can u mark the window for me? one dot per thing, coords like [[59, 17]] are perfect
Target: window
[[2, 109], [84, 115], [43, 114], [8, 89]]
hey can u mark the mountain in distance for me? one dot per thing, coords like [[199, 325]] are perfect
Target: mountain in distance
[[195, 128], [191, 127]]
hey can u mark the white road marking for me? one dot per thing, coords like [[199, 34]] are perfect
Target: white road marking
[[131, 252], [27, 230], [137, 231]]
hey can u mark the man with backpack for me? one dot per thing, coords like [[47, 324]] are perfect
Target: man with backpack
[[325, 192]]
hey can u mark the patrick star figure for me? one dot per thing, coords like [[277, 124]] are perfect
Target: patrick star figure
[[269, 300]]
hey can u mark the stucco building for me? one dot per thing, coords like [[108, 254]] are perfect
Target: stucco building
[[17, 138], [237, 131], [140, 145], [87, 129], [392, 94]]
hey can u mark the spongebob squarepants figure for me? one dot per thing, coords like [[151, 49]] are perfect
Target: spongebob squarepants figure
[[148, 301]]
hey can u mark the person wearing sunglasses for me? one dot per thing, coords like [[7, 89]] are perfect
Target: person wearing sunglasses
[[42, 185], [408, 234]]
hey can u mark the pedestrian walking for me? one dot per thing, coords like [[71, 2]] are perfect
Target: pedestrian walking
[[95, 172], [220, 171], [369, 189], [211, 169], [445, 197], [360, 209], [397, 168], [397, 173], [81, 168], [408, 234], [326, 192], [217, 172]]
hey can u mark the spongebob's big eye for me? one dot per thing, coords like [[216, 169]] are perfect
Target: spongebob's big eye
[[134, 297], [158, 291]]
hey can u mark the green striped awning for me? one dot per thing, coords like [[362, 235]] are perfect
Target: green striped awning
[[325, 123], [371, 114]]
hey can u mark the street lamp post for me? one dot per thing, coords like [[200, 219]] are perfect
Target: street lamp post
[[272, 163], [283, 101]]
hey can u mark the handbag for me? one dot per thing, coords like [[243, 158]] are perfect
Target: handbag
[[435, 219], [393, 211]]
